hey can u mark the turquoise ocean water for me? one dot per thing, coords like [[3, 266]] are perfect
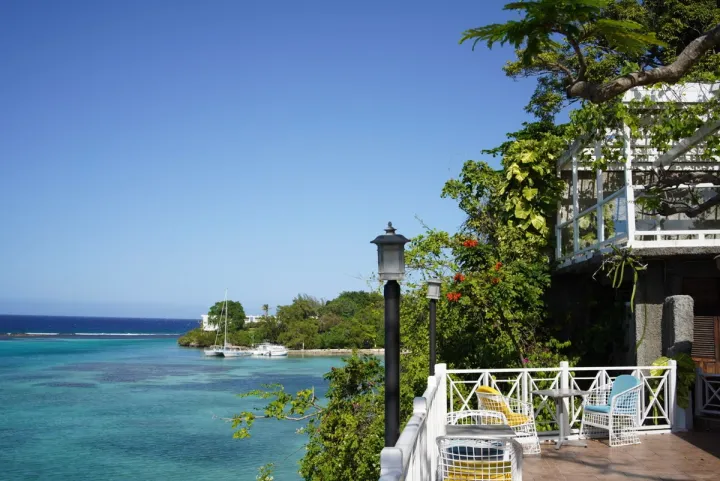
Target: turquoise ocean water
[[140, 409]]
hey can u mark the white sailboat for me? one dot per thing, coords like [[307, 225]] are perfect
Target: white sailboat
[[215, 349], [226, 350]]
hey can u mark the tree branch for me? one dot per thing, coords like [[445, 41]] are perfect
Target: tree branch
[[581, 60], [563, 69], [599, 93], [674, 180], [690, 211]]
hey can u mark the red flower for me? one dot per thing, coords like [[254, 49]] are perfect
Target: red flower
[[470, 243], [498, 265], [459, 277], [453, 296], [495, 280]]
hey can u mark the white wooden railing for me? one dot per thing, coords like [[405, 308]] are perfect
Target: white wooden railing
[[414, 457], [657, 403], [707, 393]]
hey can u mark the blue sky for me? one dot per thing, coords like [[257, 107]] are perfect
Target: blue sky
[[154, 153]]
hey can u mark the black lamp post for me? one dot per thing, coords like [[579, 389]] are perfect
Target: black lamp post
[[391, 268], [433, 293]]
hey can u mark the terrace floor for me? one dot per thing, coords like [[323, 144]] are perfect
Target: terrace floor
[[659, 457]]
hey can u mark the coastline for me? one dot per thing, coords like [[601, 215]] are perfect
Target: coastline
[[334, 352]]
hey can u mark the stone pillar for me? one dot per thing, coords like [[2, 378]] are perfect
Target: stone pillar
[[649, 300], [678, 314], [677, 324]]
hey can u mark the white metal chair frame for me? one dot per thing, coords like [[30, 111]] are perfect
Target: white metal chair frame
[[480, 417], [476, 459], [621, 421], [526, 432]]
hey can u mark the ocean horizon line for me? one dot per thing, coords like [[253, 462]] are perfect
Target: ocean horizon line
[[104, 317], [43, 334]]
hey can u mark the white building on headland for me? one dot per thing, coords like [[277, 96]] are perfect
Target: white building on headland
[[207, 325]]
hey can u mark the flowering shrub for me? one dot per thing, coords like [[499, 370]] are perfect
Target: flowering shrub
[[453, 296], [459, 277]]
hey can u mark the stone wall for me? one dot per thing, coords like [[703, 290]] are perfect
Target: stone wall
[[649, 300]]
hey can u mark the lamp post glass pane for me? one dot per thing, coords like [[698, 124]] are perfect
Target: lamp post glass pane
[[391, 262]]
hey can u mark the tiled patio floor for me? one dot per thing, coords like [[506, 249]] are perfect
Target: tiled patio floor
[[686, 456]]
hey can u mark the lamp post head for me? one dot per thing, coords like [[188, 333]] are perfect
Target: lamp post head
[[433, 288], [391, 254]]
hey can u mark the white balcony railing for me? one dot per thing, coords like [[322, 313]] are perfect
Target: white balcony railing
[[414, 457], [600, 208], [707, 393]]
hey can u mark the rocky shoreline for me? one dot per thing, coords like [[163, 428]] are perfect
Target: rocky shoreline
[[334, 352]]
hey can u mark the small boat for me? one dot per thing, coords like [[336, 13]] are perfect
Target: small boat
[[267, 349]]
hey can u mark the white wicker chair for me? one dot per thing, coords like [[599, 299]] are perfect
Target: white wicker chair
[[472, 459], [517, 414], [487, 418], [614, 408]]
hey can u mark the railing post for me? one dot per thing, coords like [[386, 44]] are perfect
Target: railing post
[[672, 396], [698, 392], [391, 464], [441, 372], [420, 408], [437, 416], [600, 212], [431, 423], [564, 384], [558, 221], [629, 192], [575, 205], [525, 387]]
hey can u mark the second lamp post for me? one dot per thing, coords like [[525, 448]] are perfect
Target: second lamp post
[[433, 293]]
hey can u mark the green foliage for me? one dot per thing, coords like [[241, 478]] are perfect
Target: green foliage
[[198, 338], [235, 315], [345, 434], [685, 376], [348, 321], [265, 473], [615, 265], [578, 22], [566, 42]]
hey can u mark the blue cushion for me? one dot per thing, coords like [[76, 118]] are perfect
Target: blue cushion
[[622, 384], [598, 409]]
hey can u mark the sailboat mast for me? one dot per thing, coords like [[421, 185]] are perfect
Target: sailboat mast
[[226, 320]]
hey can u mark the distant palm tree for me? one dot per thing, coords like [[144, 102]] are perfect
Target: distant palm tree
[[266, 310]]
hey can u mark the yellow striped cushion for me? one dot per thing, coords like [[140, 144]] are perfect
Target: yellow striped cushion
[[479, 470], [514, 419]]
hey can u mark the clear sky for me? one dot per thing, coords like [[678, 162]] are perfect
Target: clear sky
[[153, 153]]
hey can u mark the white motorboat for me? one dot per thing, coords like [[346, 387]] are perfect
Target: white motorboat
[[267, 349], [235, 352]]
